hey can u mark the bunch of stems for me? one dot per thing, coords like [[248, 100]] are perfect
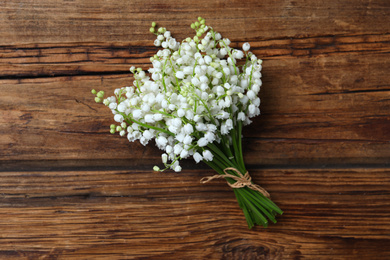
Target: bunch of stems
[[257, 208]]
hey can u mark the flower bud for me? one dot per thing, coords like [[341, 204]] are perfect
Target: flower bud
[[246, 47]]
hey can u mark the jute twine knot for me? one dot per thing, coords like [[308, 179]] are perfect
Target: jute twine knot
[[241, 180]]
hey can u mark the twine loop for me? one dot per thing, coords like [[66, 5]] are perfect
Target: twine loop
[[241, 180]]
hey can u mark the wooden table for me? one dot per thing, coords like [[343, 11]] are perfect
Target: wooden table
[[70, 190]]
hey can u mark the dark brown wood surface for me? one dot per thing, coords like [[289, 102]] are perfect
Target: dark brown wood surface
[[71, 190]]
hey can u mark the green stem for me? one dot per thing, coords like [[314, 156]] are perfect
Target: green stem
[[218, 152], [224, 147], [257, 208], [231, 57], [237, 151], [239, 141], [174, 73]]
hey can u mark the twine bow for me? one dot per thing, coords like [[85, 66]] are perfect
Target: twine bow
[[241, 180]]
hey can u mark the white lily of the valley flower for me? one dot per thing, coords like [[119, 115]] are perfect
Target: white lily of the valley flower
[[193, 97]]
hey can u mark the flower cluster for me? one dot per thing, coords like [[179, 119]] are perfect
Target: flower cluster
[[194, 95], [193, 102]]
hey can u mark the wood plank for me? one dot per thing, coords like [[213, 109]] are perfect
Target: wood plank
[[23, 21], [70, 59], [333, 213]]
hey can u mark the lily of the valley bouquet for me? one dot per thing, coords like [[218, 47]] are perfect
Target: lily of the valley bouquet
[[193, 103]]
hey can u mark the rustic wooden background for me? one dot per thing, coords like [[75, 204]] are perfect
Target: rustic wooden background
[[70, 190]]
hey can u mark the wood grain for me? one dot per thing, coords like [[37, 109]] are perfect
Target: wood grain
[[70, 190], [114, 21], [130, 214]]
